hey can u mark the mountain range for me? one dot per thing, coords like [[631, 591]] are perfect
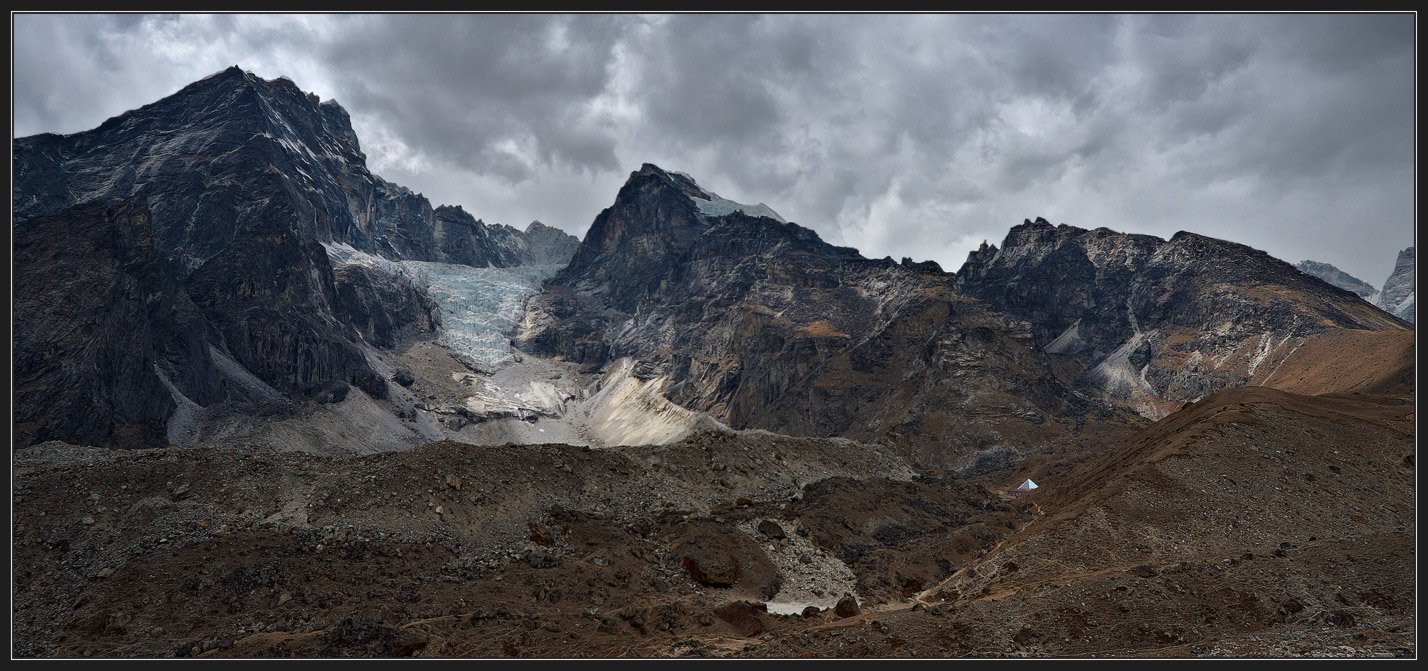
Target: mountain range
[[267, 404]]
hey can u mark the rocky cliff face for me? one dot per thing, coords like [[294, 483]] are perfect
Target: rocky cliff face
[[223, 154], [241, 182], [1397, 294], [108, 343], [763, 325], [1339, 278], [382, 305], [1150, 323]]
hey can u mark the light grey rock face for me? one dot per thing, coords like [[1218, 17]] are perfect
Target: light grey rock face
[[1339, 278], [1397, 294], [1151, 323], [763, 325], [548, 245]]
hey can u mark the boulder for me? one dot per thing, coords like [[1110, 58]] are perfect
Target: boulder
[[745, 617], [847, 606], [719, 555], [772, 530]]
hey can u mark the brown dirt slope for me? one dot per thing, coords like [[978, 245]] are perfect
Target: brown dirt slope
[[1254, 523], [1248, 472], [1347, 360]]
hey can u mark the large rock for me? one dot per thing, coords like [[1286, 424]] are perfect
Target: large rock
[[746, 618], [771, 530], [847, 606], [716, 555]]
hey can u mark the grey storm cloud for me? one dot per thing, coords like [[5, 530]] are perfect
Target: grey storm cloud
[[902, 135]]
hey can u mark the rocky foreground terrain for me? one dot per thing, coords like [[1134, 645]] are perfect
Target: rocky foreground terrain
[[1254, 522]]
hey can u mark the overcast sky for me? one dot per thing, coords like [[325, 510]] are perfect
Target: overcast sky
[[900, 135]]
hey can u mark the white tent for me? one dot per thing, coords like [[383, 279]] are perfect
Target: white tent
[[1027, 486]]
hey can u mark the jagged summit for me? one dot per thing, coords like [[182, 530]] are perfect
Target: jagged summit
[[221, 155], [1397, 294], [232, 151], [658, 217], [709, 203]]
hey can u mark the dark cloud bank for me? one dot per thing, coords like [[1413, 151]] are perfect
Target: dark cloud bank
[[901, 135]]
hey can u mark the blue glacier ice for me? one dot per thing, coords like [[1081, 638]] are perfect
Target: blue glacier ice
[[480, 307]]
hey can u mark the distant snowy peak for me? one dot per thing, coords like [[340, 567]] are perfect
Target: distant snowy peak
[[711, 204], [1331, 274], [1397, 294]]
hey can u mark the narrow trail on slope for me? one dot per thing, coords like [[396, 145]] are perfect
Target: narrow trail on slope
[[923, 596]]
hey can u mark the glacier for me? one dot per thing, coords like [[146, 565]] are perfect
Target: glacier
[[480, 307]]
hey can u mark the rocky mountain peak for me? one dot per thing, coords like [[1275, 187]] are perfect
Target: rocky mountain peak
[[1331, 274], [762, 324], [550, 245], [1397, 294], [922, 266], [658, 217], [211, 160]]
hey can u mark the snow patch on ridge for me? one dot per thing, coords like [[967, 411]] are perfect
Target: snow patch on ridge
[[718, 207], [343, 254]]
